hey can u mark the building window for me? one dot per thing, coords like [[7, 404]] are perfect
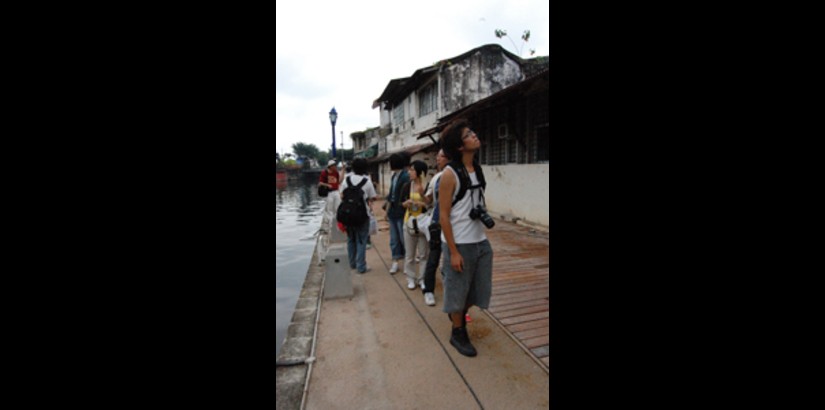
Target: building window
[[512, 155], [497, 151], [428, 99], [398, 115]]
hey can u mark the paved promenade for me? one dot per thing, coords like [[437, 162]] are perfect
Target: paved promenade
[[384, 348]]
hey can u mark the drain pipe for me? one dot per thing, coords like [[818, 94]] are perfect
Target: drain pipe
[[311, 358]]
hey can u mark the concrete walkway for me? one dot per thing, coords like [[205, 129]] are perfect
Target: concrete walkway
[[385, 349]]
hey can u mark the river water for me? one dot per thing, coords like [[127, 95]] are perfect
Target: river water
[[298, 214]]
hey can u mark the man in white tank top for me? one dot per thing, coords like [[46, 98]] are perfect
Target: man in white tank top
[[468, 257]]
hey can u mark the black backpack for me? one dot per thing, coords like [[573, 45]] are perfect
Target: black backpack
[[464, 178], [353, 209]]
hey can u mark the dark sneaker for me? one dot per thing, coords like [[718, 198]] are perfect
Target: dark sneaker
[[461, 342]]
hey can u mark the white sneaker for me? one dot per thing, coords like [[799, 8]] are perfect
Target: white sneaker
[[417, 259], [410, 284], [429, 299], [421, 283], [394, 267]]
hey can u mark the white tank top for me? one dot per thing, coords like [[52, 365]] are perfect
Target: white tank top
[[465, 230]]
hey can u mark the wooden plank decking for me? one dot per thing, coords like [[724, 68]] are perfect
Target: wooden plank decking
[[521, 286]]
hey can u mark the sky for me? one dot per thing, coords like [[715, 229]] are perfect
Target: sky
[[342, 54]]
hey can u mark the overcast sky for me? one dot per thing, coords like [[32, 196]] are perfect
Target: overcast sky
[[343, 54]]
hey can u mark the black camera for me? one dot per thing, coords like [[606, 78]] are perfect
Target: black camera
[[480, 213]]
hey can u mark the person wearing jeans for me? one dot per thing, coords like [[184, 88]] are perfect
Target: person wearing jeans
[[435, 233], [395, 211], [357, 235]]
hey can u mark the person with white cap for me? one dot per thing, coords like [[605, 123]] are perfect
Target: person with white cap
[[330, 178]]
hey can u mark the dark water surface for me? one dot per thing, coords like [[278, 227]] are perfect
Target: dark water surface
[[298, 214]]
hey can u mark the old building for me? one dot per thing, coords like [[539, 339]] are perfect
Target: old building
[[413, 109], [514, 128]]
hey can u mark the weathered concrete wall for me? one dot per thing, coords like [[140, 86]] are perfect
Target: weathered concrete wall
[[386, 174], [476, 77], [512, 190], [519, 191], [385, 118]]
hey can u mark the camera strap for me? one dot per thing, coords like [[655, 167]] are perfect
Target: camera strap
[[480, 189]]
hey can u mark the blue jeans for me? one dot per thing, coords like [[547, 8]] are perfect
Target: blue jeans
[[357, 246], [397, 237]]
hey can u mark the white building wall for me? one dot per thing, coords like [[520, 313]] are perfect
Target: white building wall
[[385, 117], [519, 191], [386, 174]]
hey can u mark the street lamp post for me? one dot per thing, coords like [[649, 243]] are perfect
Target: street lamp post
[[333, 116]]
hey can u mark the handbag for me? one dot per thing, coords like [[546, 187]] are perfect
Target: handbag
[[412, 226], [424, 221], [373, 225], [323, 190]]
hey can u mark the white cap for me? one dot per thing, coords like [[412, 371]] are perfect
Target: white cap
[[330, 163]]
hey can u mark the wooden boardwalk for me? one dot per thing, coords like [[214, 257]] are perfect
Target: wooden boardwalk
[[520, 301], [521, 286]]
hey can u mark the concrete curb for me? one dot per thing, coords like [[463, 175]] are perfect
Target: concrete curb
[[298, 346]]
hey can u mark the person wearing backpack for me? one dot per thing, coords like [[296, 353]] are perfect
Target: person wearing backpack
[[358, 194], [468, 256], [395, 212], [413, 199]]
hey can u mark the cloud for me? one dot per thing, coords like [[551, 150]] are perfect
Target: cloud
[[343, 54]]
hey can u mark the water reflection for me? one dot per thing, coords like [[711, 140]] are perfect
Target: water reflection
[[298, 213]]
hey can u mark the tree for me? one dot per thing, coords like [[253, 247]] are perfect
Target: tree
[[323, 158], [301, 149], [346, 154], [526, 36]]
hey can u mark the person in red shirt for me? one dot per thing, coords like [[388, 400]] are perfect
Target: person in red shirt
[[330, 178]]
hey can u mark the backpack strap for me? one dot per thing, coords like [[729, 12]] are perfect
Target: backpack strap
[[464, 179]]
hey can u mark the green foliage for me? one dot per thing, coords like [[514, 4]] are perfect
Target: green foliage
[[346, 154], [525, 36], [301, 149], [323, 158]]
